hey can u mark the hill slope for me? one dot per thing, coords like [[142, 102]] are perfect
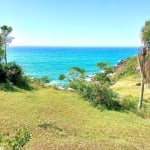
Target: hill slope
[[61, 120]]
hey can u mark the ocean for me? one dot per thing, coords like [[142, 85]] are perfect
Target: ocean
[[53, 61]]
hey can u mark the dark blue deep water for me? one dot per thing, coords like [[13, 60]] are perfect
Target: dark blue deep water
[[53, 61]]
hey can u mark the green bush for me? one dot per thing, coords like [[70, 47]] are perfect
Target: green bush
[[2, 72], [21, 138], [75, 84], [12, 74], [97, 94], [61, 77], [103, 95], [129, 103], [45, 79], [23, 82], [102, 78], [1, 138], [7, 86]]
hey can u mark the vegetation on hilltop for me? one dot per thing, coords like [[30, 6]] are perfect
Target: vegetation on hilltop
[[129, 67]]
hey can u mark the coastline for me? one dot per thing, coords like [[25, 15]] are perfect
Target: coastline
[[53, 61]]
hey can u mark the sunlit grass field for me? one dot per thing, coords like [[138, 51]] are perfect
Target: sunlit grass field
[[61, 120]]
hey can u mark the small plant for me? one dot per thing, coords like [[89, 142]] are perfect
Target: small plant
[[21, 138], [61, 77], [1, 138], [129, 103], [51, 125], [43, 80]]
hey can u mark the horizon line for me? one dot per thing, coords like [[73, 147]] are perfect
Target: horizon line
[[68, 46]]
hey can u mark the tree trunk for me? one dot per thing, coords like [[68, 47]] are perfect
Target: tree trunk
[[5, 54], [141, 93], [141, 64]]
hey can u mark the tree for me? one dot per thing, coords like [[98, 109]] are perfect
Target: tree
[[5, 40], [104, 76], [74, 73], [104, 66], [1, 48], [144, 60]]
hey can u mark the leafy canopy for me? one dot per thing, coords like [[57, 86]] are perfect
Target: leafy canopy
[[145, 32]]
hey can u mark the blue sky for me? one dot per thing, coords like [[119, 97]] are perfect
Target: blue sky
[[75, 22]]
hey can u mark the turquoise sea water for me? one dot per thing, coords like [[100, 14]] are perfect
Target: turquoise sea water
[[53, 61]]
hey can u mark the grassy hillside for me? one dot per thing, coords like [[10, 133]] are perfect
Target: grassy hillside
[[127, 68], [63, 121]]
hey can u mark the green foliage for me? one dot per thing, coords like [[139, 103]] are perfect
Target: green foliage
[[77, 69], [5, 39], [12, 73], [61, 77], [97, 94], [127, 69], [6, 29], [128, 103], [2, 72], [102, 95], [7, 86], [44, 79], [102, 65], [73, 74], [50, 125], [21, 138], [76, 73], [75, 84], [1, 138], [1, 52], [145, 32], [102, 78]]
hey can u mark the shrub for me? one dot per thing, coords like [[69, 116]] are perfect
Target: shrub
[[2, 72], [23, 82], [45, 79], [102, 78], [75, 84], [7, 86], [12, 73], [128, 103], [61, 77], [21, 138], [105, 96], [97, 94], [1, 138]]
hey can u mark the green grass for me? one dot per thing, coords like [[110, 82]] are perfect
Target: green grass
[[127, 69], [63, 121]]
